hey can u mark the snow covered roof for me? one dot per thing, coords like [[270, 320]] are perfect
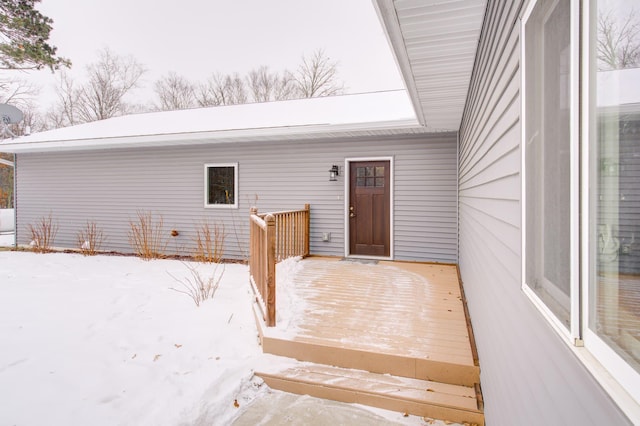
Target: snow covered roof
[[434, 45], [369, 114], [617, 88]]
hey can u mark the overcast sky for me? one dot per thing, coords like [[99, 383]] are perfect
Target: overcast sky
[[197, 37]]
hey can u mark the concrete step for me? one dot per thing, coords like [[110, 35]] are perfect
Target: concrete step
[[461, 404]]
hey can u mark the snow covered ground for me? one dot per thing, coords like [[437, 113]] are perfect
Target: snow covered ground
[[104, 341]]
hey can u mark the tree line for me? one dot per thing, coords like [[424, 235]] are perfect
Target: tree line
[[24, 45], [105, 90], [103, 93], [315, 76]]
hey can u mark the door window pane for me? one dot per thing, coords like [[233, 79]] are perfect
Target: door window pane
[[614, 311], [547, 156], [370, 176]]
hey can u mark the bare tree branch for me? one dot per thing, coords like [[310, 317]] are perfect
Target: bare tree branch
[[318, 76], [222, 90], [17, 91], [65, 112], [285, 87], [23, 95], [261, 83], [175, 92], [266, 86], [102, 96], [618, 43], [110, 79]]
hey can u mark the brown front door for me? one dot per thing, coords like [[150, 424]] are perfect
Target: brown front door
[[369, 208]]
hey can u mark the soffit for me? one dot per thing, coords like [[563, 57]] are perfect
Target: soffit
[[435, 44]]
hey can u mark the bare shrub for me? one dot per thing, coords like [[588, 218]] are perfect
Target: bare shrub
[[199, 288], [90, 239], [146, 236], [43, 233], [209, 242], [239, 230]]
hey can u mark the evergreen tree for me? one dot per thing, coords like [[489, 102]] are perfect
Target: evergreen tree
[[24, 35]]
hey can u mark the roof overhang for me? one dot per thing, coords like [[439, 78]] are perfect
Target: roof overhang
[[434, 42], [362, 115], [262, 135]]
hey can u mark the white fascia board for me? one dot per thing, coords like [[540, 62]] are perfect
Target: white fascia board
[[387, 14], [316, 131]]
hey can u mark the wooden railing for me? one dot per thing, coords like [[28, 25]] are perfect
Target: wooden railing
[[274, 237]]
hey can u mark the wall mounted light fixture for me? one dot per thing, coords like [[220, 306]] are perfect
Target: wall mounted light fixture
[[334, 172]]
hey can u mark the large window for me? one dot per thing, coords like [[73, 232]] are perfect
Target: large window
[[614, 186], [581, 180], [548, 157], [221, 184]]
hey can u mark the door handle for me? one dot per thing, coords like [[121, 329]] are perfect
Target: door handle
[[351, 212]]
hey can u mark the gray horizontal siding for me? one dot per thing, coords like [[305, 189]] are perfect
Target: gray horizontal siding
[[110, 186], [529, 376]]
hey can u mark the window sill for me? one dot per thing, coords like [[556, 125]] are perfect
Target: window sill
[[220, 206], [559, 328], [629, 406]]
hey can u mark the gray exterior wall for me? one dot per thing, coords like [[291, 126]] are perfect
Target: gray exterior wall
[[529, 376], [110, 186]]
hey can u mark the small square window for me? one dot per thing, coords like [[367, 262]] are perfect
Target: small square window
[[221, 183]]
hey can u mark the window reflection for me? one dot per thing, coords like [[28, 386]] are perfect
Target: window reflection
[[615, 192], [221, 182]]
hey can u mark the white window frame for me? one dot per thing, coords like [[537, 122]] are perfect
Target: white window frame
[[235, 186], [616, 376], [571, 335], [611, 371]]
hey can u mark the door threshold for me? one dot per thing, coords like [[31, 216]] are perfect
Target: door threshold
[[358, 260], [364, 259]]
